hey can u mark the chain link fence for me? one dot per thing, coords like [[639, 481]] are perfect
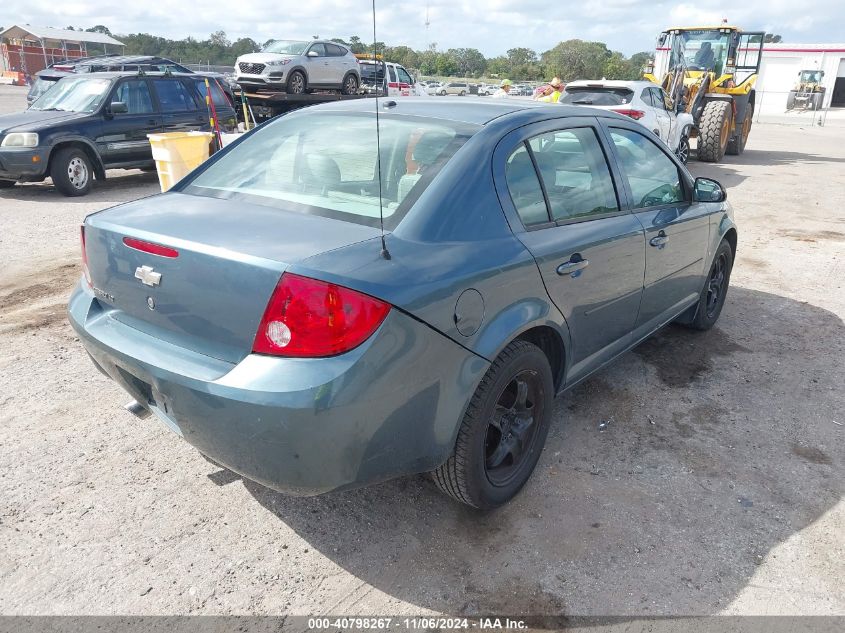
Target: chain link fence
[[773, 107]]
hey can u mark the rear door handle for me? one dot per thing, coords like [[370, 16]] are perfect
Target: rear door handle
[[659, 241], [573, 267]]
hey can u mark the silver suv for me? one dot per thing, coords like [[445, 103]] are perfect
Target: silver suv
[[296, 67]]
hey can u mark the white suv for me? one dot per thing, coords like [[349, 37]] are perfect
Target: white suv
[[643, 101], [296, 67]]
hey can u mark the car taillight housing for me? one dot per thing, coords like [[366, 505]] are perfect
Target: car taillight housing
[[634, 114], [308, 318], [85, 270]]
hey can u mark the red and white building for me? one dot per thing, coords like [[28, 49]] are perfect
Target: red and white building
[[24, 50], [781, 64]]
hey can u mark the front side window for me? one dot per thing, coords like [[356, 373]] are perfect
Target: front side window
[[404, 77], [575, 174], [173, 96], [136, 95], [326, 164], [319, 49], [653, 177]]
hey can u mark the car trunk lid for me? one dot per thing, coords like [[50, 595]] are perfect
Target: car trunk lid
[[208, 289]]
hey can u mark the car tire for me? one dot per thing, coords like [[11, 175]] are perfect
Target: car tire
[[71, 171], [7, 184], [350, 84], [296, 83], [790, 100], [503, 430], [682, 152], [709, 306], [442, 93], [463, 93], [736, 145]]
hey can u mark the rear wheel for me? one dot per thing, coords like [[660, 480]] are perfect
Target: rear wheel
[[714, 131], [350, 85], [463, 93], [683, 149], [6, 184], [71, 171], [296, 83], [503, 431], [715, 290]]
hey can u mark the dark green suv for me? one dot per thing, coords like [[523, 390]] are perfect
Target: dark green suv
[[89, 123]]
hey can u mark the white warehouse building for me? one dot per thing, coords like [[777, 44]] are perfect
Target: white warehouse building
[[780, 68]]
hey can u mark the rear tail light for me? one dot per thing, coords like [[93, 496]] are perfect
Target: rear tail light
[[309, 318], [634, 114], [85, 270]]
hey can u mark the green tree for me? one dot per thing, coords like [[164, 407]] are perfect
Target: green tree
[[576, 59], [637, 63], [446, 64], [470, 61], [521, 57], [616, 67]]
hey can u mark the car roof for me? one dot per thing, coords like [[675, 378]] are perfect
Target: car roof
[[612, 83], [457, 109], [112, 74]]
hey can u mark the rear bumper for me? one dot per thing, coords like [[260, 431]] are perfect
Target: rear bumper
[[24, 163], [301, 426]]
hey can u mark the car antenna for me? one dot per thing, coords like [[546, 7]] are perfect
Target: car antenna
[[384, 252]]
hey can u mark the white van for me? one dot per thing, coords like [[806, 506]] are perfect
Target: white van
[[398, 82]]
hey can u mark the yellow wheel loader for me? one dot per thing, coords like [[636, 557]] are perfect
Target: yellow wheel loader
[[710, 72], [808, 93]]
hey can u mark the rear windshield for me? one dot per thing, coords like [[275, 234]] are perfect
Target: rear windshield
[[327, 164], [371, 73], [597, 96]]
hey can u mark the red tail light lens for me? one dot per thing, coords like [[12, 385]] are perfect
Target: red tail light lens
[[85, 270], [309, 318], [149, 247], [634, 114]]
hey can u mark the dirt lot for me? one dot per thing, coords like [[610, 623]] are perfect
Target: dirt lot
[[717, 486]]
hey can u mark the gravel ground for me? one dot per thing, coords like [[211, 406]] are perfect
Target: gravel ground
[[716, 487]]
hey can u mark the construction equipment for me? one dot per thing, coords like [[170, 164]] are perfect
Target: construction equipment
[[710, 72], [808, 93]]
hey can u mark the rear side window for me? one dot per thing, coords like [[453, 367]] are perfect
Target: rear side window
[[135, 94], [333, 50], [173, 96], [653, 177], [302, 163], [525, 189], [575, 174], [597, 96]]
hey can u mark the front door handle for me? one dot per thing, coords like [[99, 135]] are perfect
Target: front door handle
[[573, 267], [659, 241]]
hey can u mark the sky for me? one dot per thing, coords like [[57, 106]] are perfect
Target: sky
[[492, 26]]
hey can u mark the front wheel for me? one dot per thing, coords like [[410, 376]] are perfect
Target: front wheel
[[71, 171], [296, 83], [714, 131], [463, 93], [715, 290], [503, 430]]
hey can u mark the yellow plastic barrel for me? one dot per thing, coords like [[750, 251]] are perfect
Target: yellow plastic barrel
[[178, 153]]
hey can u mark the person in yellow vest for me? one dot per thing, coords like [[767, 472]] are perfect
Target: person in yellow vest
[[504, 89], [551, 92]]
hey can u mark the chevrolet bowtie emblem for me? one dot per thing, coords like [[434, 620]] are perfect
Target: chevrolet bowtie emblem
[[147, 276]]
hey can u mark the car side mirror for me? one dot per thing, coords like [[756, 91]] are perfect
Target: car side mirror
[[313, 54], [118, 107], [708, 190]]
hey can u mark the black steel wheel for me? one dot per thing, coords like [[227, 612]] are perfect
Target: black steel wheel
[[712, 298], [503, 430]]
